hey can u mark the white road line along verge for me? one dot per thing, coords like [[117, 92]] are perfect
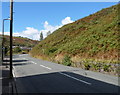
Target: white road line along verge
[[10, 87], [75, 78], [14, 76], [25, 59], [33, 62], [45, 67], [1, 78], [14, 73]]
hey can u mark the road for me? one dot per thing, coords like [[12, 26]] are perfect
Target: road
[[38, 76]]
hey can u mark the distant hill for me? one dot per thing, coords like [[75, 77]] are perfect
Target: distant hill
[[94, 37], [20, 42]]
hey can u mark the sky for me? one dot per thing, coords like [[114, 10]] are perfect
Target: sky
[[32, 18]]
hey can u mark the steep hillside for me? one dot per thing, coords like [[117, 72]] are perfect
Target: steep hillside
[[94, 37]]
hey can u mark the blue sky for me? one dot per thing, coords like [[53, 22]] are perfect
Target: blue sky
[[30, 18]]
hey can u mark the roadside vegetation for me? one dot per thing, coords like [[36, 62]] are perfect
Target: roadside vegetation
[[91, 43]]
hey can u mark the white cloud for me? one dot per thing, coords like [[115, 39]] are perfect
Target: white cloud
[[34, 34], [66, 20], [30, 32], [48, 27]]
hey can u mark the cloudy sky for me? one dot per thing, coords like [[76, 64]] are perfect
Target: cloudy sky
[[30, 19]]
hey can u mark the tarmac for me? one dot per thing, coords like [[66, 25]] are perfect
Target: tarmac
[[7, 84]]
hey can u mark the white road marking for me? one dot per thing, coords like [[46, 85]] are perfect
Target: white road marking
[[45, 67], [25, 58], [75, 78], [1, 78], [14, 73], [33, 62], [10, 87]]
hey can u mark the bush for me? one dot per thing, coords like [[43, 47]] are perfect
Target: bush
[[49, 51], [86, 66], [52, 50], [106, 68], [17, 50], [66, 61], [25, 51], [96, 66], [6, 50]]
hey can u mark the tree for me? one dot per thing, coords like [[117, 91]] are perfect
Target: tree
[[48, 33], [41, 36]]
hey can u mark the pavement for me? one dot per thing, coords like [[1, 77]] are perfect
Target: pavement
[[33, 75], [7, 83]]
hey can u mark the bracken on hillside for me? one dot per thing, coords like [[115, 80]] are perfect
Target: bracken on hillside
[[94, 37]]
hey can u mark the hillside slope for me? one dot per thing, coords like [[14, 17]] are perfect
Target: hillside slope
[[94, 37]]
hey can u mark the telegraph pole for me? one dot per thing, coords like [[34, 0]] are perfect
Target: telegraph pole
[[11, 30]]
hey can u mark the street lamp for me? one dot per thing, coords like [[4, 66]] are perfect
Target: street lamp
[[3, 38]]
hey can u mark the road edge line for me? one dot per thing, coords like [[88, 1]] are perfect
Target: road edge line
[[74, 78]]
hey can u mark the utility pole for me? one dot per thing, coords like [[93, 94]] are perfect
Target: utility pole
[[11, 30]]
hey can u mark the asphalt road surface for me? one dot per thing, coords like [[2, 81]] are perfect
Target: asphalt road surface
[[37, 76]]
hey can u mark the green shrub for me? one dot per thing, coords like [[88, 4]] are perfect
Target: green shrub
[[25, 51], [66, 61], [106, 68], [6, 50], [17, 50], [96, 66], [49, 51], [52, 50], [86, 66]]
